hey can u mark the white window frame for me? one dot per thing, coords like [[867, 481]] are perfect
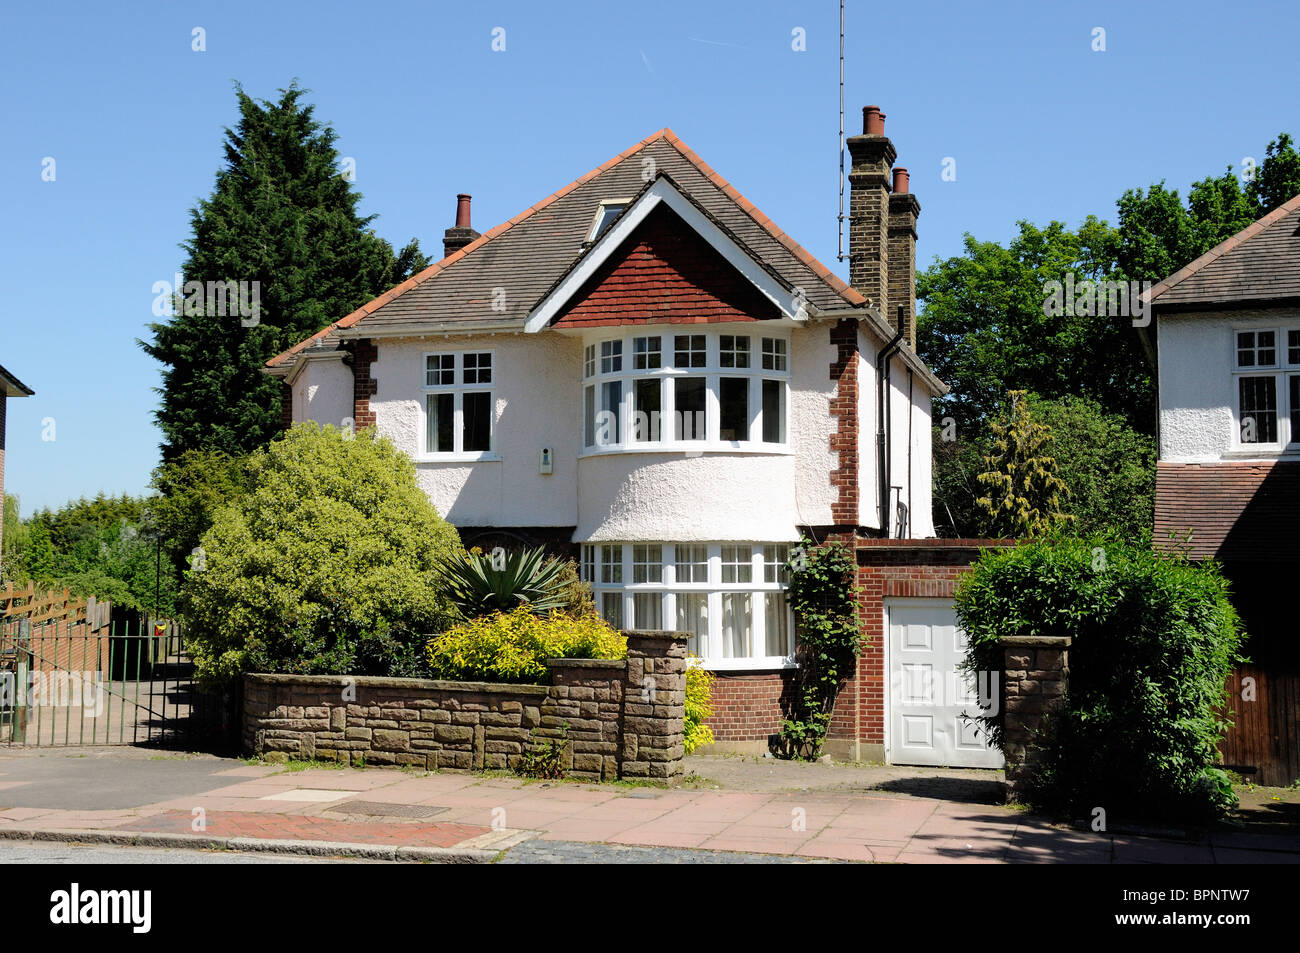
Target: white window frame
[[713, 588], [1281, 371], [605, 208], [458, 388], [712, 373]]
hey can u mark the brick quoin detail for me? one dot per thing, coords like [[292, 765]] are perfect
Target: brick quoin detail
[[665, 272], [844, 408], [363, 386]]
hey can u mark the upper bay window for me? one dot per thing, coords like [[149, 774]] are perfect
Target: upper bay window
[[458, 403], [1266, 387], [692, 391]]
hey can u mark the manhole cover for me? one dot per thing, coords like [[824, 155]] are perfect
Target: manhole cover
[[385, 809]]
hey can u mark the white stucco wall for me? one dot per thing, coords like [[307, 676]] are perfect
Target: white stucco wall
[[536, 398], [626, 496], [1197, 387], [322, 391]]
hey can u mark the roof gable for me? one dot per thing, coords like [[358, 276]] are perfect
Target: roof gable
[[665, 259], [494, 282], [1259, 264]]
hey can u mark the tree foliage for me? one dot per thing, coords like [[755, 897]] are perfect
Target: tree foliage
[[1024, 496], [326, 565], [281, 214]]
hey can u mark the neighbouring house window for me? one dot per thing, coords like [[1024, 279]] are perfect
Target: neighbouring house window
[[730, 597], [458, 402], [1267, 372], [720, 390]]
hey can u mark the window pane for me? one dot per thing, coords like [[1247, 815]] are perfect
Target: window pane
[[1258, 409], [439, 369], [589, 417], [693, 617], [645, 416], [1245, 348], [611, 357], [773, 354], [774, 563], [736, 564], [692, 563], [689, 350], [688, 392], [440, 410], [647, 563], [646, 353], [773, 412], [736, 625], [477, 410], [776, 624], [733, 350], [648, 608], [1265, 348], [588, 563], [733, 398], [1294, 380], [611, 608], [1293, 347], [611, 564], [589, 360], [608, 430], [478, 368]]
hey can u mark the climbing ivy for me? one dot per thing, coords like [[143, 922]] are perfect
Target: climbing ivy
[[824, 595]]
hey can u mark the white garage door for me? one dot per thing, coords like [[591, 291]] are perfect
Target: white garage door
[[929, 698]]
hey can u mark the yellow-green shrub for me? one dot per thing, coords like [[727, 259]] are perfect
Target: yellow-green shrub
[[514, 646], [699, 706]]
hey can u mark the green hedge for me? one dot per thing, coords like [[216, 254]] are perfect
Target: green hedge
[[1155, 637]]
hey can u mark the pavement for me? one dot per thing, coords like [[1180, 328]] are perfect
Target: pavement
[[727, 810]]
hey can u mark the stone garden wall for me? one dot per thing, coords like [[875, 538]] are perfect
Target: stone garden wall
[[624, 718]]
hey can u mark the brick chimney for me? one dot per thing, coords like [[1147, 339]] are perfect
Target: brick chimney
[[903, 212], [872, 158], [461, 234]]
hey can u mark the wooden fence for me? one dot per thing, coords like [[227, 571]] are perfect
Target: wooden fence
[[40, 607], [1264, 705]]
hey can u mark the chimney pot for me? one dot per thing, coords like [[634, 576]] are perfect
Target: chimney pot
[[900, 181], [873, 121], [462, 211]]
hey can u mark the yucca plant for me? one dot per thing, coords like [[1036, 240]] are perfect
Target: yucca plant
[[479, 584]]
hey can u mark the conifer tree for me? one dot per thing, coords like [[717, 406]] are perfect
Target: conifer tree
[[283, 215], [1025, 495]]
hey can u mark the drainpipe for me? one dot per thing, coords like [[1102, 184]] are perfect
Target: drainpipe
[[882, 418]]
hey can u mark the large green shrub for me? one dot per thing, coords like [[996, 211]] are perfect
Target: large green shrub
[[1155, 637], [326, 565], [514, 646]]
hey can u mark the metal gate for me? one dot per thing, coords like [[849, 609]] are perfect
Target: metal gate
[[128, 682]]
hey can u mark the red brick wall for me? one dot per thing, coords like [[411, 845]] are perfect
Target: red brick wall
[[363, 386], [844, 408], [665, 272], [747, 705]]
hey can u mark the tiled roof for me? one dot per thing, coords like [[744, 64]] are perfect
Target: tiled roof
[[523, 257], [1260, 263], [1235, 511]]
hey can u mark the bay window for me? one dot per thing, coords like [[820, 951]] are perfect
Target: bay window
[[458, 402], [730, 597], [678, 391]]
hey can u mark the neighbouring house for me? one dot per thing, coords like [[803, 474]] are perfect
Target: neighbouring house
[[1228, 476], [643, 371], [10, 386]]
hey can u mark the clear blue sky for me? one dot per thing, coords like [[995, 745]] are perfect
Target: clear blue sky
[[1041, 127]]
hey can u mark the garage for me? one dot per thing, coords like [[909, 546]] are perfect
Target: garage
[[929, 699]]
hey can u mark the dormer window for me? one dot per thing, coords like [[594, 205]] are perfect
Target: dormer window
[[606, 212]]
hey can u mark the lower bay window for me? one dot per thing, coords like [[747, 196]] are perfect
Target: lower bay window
[[729, 596]]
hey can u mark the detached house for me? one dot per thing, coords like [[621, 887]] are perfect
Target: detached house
[[643, 371], [1228, 477]]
